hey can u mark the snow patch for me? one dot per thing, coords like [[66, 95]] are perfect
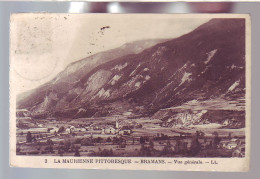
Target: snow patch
[[184, 66], [107, 93], [233, 66], [97, 80], [104, 93], [210, 55], [101, 92], [120, 67], [81, 110], [115, 79], [236, 67], [205, 69], [133, 72], [186, 77], [193, 101], [138, 84], [233, 86], [147, 77]]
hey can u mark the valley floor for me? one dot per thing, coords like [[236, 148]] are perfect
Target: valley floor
[[88, 137]]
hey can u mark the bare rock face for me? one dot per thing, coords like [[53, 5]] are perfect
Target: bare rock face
[[206, 65], [179, 118]]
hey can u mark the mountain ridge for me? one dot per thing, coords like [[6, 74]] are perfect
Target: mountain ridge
[[207, 63]]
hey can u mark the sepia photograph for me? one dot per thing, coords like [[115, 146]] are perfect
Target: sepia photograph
[[142, 89]]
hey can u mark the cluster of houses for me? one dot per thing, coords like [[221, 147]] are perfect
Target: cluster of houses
[[124, 130], [236, 146], [231, 144], [106, 130], [118, 129], [24, 117]]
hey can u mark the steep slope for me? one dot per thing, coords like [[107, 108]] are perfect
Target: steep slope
[[76, 70], [208, 63]]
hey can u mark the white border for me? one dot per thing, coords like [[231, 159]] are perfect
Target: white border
[[224, 164]]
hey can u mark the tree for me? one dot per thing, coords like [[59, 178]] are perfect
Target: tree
[[49, 142], [115, 140], [216, 140], [49, 149], [142, 140], [167, 150], [111, 152], [67, 145], [177, 146], [60, 150], [151, 144], [106, 153], [34, 139], [139, 126], [77, 154], [99, 140], [108, 139], [61, 143], [145, 151], [195, 146], [29, 137], [78, 141], [200, 134], [61, 129], [229, 135], [87, 142]]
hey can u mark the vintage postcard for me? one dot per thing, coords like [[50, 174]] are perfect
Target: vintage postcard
[[130, 91]]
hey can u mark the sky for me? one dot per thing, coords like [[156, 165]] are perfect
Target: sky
[[42, 44]]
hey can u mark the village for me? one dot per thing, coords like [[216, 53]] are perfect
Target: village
[[118, 136]]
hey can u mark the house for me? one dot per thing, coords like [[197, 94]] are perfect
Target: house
[[93, 127], [125, 130], [70, 129], [54, 130], [239, 151], [233, 143], [110, 130], [234, 140], [226, 122], [231, 146]]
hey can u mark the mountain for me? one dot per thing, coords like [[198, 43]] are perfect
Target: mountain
[[77, 70], [205, 65]]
